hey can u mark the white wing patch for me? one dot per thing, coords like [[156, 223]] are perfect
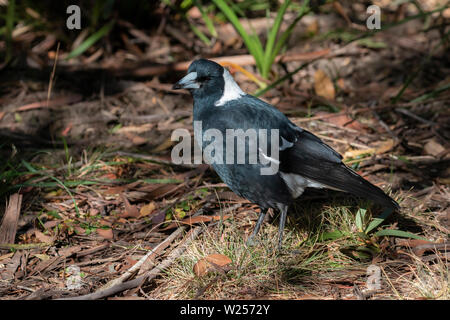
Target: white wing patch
[[269, 158], [297, 184], [231, 90]]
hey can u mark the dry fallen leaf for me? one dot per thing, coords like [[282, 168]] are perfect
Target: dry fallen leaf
[[433, 148], [42, 237], [147, 209], [323, 85], [382, 147], [203, 266], [135, 139], [105, 233], [341, 120], [130, 210]]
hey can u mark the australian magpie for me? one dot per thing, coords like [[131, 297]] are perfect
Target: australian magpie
[[302, 159]]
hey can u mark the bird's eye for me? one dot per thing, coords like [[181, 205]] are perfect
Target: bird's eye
[[203, 78]]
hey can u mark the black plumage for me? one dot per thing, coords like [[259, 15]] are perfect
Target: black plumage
[[304, 160]]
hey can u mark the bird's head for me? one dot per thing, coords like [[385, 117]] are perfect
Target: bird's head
[[207, 79]]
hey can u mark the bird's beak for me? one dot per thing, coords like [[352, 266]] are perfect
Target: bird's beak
[[188, 82]]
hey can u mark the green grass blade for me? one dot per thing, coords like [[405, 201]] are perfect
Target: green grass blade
[[208, 22], [252, 42], [431, 94], [90, 41], [199, 34], [282, 79], [9, 28], [28, 166], [257, 51], [272, 37], [304, 10]]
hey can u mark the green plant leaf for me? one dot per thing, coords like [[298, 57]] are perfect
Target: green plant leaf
[[377, 221], [331, 235], [398, 233], [89, 42], [360, 219]]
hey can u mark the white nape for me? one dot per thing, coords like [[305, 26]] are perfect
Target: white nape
[[231, 90], [297, 184]]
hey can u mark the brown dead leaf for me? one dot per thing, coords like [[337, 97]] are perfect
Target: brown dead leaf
[[323, 85], [342, 120], [162, 191], [42, 237], [218, 259], [210, 262], [105, 233], [351, 154], [382, 147], [385, 146], [201, 268], [130, 210], [433, 148], [313, 27], [147, 209], [194, 13], [79, 230], [421, 246], [135, 139]]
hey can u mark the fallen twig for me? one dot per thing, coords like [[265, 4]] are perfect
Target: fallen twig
[[141, 262], [146, 277]]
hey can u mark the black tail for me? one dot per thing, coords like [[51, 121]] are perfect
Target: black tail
[[315, 160], [343, 178]]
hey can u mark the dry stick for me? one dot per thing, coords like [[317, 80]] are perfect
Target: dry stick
[[52, 76], [143, 264], [141, 261], [148, 276], [25, 246]]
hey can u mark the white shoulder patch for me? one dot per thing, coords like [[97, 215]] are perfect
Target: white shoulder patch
[[231, 90]]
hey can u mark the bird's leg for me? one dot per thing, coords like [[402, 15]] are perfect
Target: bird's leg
[[281, 226], [258, 225]]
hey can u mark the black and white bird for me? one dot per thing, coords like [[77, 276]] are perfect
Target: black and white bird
[[303, 159]]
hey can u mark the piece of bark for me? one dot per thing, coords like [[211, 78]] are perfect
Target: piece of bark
[[8, 228]]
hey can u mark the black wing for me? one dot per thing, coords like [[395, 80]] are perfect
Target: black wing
[[311, 158]]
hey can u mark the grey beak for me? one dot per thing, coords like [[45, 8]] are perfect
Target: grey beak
[[188, 82]]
